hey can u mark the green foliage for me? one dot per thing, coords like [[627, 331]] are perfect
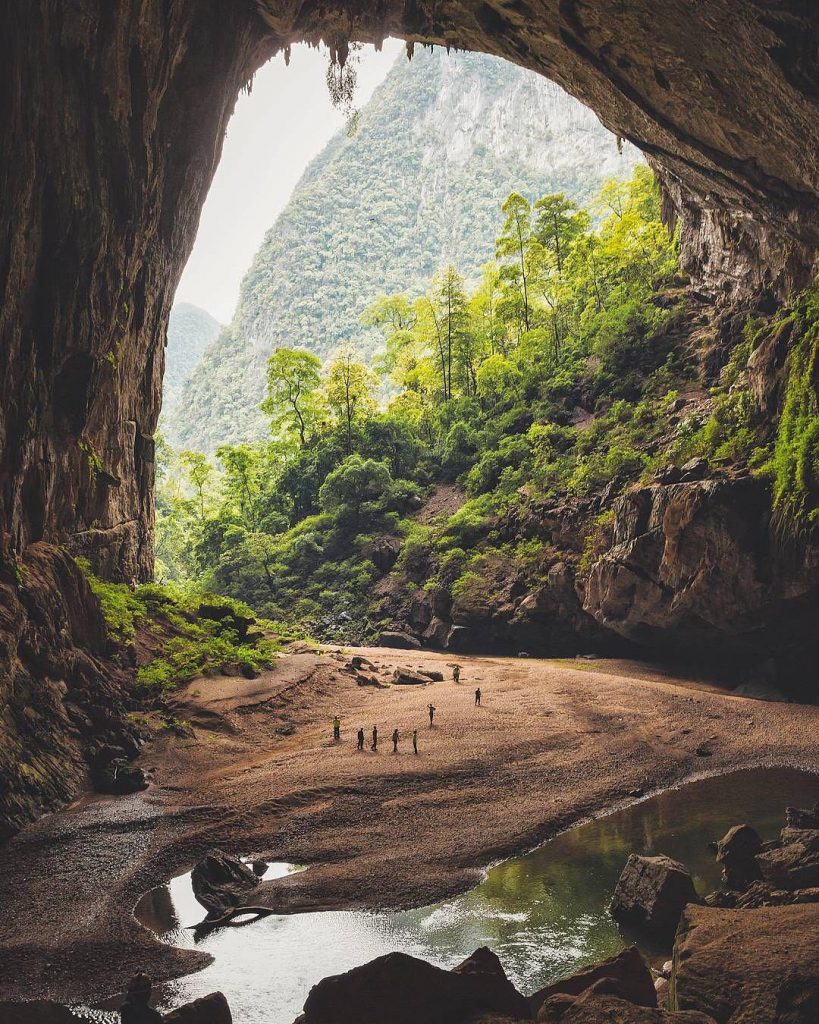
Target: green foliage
[[796, 448], [196, 646], [378, 212], [485, 388]]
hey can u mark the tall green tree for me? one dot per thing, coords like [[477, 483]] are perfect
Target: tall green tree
[[293, 381], [512, 247]]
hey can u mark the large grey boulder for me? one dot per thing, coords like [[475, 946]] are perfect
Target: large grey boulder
[[651, 894], [221, 881]]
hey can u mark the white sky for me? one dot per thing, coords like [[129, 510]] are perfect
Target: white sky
[[273, 134]]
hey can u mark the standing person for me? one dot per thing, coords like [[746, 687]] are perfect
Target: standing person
[[431, 708], [361, 738], [478, 697], [336, 729], [395, 738], [374, 744], [415, 740], [456, 673]]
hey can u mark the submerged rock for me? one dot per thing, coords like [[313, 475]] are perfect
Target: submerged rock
[[626, 976], [755, 966], [221, 881], [400, 989], [651, 894]]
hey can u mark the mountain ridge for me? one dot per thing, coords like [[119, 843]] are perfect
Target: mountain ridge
[[440, 144]]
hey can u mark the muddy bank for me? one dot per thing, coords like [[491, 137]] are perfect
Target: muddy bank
[[552, 744]]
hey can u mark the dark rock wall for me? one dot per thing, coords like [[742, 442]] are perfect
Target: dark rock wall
[[112, 116]]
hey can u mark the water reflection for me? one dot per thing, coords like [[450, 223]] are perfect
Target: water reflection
[[545, 914]]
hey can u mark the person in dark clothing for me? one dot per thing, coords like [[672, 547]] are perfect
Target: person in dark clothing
[[415, 740], [456, 673], [336, 728], [431, 709], [395, 738], [478, 697], [361, 738], [374, 744]]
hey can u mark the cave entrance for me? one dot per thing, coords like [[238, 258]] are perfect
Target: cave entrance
[[722, 97]]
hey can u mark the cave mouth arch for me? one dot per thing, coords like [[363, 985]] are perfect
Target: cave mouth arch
[[115, 117]]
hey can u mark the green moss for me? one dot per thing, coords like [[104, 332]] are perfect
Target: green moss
[[795, 463]]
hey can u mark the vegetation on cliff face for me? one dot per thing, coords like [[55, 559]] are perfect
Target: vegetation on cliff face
[[417, 186], [551, 378], [190, 331], [181, 635]]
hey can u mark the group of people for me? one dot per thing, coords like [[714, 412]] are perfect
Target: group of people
[[396, 735]]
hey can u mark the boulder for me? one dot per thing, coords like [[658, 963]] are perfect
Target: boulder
[[221, 881], [227, 618], [748, 966], [399, 641], [433, 676], [437, 632], [694, 469], [736, 853], [136, 1008], [211, 1009], [626, 973], [461, 638], [796, 817], [795, 864], [119, 778], [651, 894], [406, 677], [400, 989]]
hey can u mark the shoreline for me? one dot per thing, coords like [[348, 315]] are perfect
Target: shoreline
[[296, 798]]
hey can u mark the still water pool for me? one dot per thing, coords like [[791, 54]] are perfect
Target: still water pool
[[544, 914]]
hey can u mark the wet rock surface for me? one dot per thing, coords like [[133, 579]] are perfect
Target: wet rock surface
[[652, 893], [221, 882], [760, 966], [736, 852], [625, 975], [404, 990]]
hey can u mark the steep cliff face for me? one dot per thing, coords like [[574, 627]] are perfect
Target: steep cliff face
[[113, 117], [699, 570], [61, 696]]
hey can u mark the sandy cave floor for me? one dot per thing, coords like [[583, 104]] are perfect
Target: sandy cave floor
[[554, 743]]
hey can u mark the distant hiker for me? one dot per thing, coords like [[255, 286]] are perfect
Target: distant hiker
[[478, 697], [374, 744], [361, 738], [415, 740], [336, 728], [431, 708], [456, 673], [395, 737]]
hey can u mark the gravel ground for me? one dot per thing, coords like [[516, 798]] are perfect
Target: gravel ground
[[555, 742]]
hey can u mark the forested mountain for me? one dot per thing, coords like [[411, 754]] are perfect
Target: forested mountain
[[419, 185], [190, 330]]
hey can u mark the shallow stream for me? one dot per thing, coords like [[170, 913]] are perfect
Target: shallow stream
[[544, 914]]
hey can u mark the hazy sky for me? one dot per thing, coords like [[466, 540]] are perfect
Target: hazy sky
[[273, 134]]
